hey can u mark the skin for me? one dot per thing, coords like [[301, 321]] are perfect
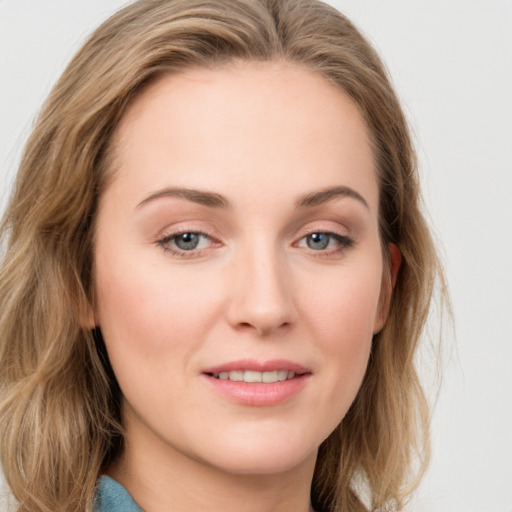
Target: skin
[[264, 136]]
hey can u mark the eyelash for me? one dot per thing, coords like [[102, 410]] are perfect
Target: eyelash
[[165, 243], [344, 242]]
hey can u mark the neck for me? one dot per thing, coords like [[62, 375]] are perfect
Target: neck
[[165, 480]]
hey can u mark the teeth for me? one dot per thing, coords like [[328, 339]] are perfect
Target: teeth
[[254, 376], [269, 377]]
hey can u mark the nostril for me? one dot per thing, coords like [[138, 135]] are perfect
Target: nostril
[[261, 328]]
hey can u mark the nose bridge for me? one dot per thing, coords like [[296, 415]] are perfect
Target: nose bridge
[[262, 297]]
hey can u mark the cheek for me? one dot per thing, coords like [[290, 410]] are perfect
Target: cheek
[[343, 305], [350, 326], [148, 316], [343, 316]]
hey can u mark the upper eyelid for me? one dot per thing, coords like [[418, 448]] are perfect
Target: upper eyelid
[[169, 233], [165, 240], [184, 232], [328, 230], [326, 221], [205, 233], [332, 234], [199, 226]]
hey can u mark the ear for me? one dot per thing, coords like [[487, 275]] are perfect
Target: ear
[[389, 277]]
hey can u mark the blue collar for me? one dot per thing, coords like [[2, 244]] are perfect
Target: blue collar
[[111, 496]]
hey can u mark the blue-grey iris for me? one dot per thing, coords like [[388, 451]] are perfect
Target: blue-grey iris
[[187, 241], [318, 241]]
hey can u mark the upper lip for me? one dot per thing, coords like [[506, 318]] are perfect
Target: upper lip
[[258, 366]]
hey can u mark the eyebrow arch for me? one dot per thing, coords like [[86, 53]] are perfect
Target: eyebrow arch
[[328, 194], [205, 198]]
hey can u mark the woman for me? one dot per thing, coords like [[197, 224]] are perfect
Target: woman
[[217, 271]]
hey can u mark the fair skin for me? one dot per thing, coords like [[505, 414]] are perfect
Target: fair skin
[[239, 232]]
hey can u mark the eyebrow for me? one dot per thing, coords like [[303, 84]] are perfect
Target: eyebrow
[[214, 200], [202, 197], [328, 194]]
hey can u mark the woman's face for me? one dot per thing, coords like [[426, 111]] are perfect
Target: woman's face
[[237, 242]]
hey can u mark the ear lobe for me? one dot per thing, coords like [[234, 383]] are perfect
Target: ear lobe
[[389, 277], [395, 259]]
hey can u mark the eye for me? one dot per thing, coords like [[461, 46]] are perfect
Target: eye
[[325, 241], [188, 241], [185, 242], [318, 241]]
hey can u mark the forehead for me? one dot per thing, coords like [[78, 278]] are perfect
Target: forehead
[[250, 121]]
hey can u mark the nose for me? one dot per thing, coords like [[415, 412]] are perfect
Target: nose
[[262, 293]]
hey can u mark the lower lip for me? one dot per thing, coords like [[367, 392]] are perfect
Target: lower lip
[[258, 394]]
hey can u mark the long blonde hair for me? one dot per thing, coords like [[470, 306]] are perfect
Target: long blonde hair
[[60, 416]]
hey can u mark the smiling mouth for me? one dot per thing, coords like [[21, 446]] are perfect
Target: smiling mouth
[[249, 382], [253, 376]]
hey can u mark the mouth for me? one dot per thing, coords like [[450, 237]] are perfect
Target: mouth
[[254, 383], [255, 376], [251, 371]]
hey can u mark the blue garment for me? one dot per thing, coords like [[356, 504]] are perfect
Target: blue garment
[[113, 497]]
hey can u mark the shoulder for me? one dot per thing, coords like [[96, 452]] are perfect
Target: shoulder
[[111, 496]]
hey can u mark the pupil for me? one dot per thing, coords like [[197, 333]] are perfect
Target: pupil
[[318, 241], [187, 241]]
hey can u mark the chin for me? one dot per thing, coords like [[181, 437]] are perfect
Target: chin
[[269, 463], [261, 453]]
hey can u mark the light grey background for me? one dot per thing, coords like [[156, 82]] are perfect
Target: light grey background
[[451, 62]]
